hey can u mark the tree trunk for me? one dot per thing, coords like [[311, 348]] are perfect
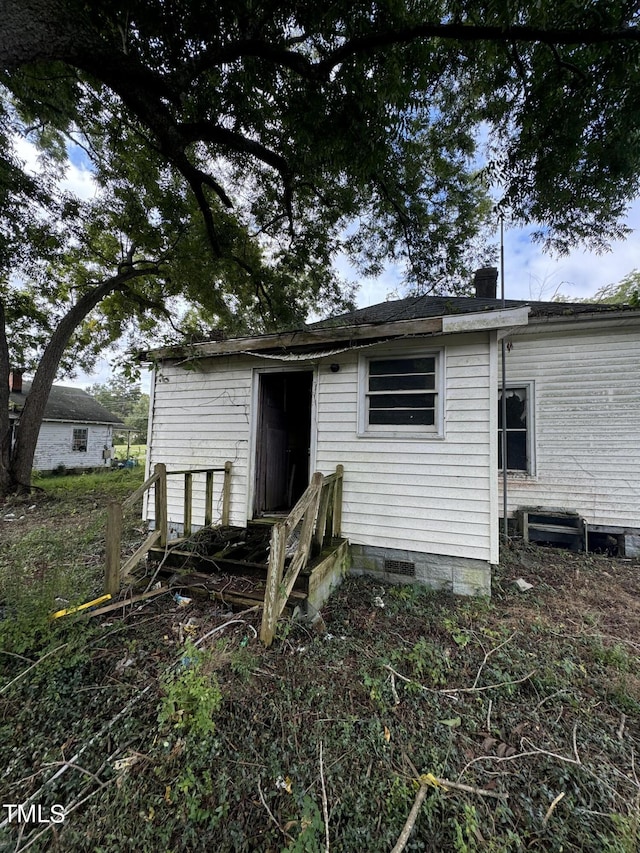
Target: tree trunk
[[15, 472], [5, 433]]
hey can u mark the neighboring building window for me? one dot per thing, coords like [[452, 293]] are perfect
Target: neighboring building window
[[401, 395], [80, 439], [519, 429]]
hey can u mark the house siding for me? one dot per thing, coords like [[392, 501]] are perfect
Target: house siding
[[426, 495], [201, 419], [55, 440], [586, 422]]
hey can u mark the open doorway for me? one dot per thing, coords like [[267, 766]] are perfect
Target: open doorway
[[283, 440]]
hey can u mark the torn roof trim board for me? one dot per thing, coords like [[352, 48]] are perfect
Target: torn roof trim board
[[351, 335]]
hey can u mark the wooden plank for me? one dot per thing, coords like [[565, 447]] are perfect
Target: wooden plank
[[135, 558], [188, 503], [129, 502], [365, 331], [320, 532], [195, 471], [337, 502], [554, 528], [117, 605], [270, 613], [208, 499], [162, 521], [301, 507], [226, 494]]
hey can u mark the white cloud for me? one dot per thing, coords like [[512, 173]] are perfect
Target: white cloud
[[77, 180], [531, 274]]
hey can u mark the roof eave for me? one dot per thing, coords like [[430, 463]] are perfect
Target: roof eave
[[481, 321]]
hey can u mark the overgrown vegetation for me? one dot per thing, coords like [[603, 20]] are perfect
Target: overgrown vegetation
[[170, 728]]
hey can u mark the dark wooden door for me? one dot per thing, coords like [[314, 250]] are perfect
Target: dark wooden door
[[283, 439]]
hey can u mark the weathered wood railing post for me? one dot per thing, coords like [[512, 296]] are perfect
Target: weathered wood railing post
[[226, 495], [161, 515], [208, 499], [337, 503], [188, 503], [114, 536], [271, 613]]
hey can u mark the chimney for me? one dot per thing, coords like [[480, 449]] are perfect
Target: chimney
[[485, 282], [15, 381]]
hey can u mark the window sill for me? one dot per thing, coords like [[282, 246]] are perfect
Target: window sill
[[402, 436], [519, 476]]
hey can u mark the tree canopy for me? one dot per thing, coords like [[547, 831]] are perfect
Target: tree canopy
[[298, 118]]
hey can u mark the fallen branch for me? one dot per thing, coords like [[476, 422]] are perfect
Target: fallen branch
[[124, 602], [401, 843], [271, 815], [551, 808], [428, 780], [488, 654], [325, 805], [396, 698], [471, 789], [226, 625], [450, 691]]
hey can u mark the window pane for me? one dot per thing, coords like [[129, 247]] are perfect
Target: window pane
[[420, 417], [80, 440], [516, 450], [402, 365], [402, 401], [418, 381], [516, 408]]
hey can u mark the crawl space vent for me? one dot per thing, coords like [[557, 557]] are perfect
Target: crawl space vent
[[400, 567]]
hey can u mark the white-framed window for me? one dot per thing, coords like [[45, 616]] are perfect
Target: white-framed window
[[519, 428], [401, 395], [80, 439]]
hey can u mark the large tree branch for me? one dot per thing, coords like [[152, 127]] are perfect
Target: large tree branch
[[473, 33], [282, 57], [206, 131]]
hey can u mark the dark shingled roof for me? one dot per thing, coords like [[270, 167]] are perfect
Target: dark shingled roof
[[417, 307], [68, 404]]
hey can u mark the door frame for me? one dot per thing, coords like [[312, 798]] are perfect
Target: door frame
[[254, 422]]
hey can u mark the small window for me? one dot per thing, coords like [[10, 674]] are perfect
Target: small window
[[80, 439], [518, 426], [401, 395]]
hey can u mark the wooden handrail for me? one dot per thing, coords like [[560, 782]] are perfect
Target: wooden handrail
[[115, 571], [320, 511]]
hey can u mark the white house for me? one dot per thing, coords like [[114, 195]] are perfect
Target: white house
[[407, 403], [76, 431], [406, 396]]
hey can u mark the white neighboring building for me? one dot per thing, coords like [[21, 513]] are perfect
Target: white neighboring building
[[76, 431]]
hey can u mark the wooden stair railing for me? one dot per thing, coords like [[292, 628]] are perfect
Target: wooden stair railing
[[116, 571], [320, 511]]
